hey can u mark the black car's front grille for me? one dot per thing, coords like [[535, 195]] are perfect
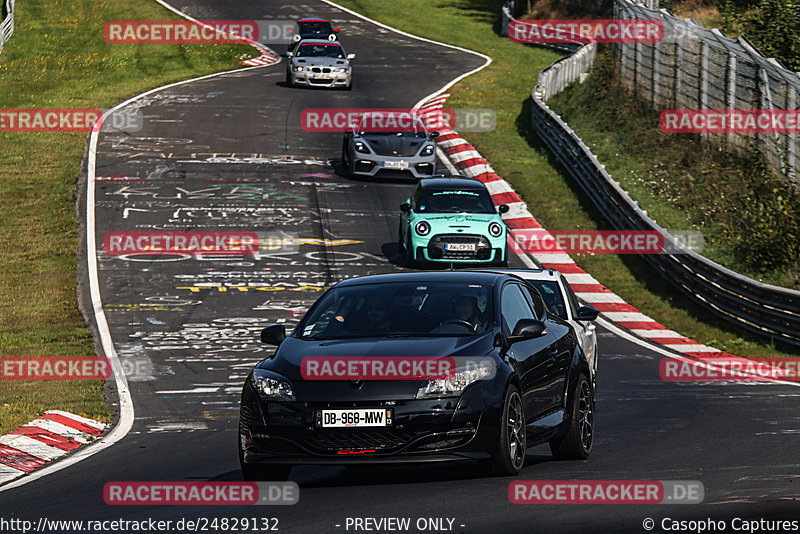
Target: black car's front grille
[[248, 418], [332, 439], [482, 250]]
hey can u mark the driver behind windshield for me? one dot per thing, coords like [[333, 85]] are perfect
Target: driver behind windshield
[[465, 308]]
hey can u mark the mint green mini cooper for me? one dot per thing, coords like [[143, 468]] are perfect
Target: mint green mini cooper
[[452, 220]]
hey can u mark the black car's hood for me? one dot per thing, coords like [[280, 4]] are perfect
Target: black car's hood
[[290, 354]]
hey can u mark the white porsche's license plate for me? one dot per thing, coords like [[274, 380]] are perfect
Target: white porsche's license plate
[[395, 165], [354, 418], [460, 247]]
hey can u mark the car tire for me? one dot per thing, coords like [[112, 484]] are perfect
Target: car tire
[[346, 162], [256, 472], [509, 457], [289, 79], [408, 254], [349, 86], [576, 444]]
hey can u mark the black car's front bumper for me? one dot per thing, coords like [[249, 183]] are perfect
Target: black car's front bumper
[[428, 430]]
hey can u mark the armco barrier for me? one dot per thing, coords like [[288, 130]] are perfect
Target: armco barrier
[[7, 24], [754, 306]]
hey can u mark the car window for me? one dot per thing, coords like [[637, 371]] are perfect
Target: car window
[[455, 201], [551, 294], [318, 27], [410, 309], [514, 306], [573, 300], [538, 303], [320, 50]]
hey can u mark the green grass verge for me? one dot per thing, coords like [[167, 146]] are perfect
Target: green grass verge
[[57, 58], [517, 154]]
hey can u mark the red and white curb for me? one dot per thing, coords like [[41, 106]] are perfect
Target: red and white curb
[[266, 58], [470, 163], [43, 440]]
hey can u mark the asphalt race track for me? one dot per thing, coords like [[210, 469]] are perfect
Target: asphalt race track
[[227, 153]]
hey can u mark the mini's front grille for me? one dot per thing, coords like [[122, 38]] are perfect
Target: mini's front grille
[[436, 247]]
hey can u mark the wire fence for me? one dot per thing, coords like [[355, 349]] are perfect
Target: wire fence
[[770, 311], [699, 68], [6, 21]]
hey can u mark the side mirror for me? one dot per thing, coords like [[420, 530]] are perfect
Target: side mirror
[[289, 54], [502, 208], [274, 335], [526, 329], [586, 313], [405, 207], [351, 56], [433, 135]]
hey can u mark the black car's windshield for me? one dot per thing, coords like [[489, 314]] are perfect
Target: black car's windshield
[[315, 27], [454, 201], [320, 50], [551, 294], [400, 309]]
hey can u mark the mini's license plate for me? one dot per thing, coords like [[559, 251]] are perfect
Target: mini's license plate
[[460, 247], [354, 418], [395, 165]]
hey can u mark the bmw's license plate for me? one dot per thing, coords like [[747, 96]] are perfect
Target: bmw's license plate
[[354, 418], [403, 165], [460, 247]]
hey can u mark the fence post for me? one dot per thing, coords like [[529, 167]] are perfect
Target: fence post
[[731, 93], [792, 145], [704, 52]]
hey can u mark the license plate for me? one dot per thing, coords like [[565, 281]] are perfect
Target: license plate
[[321, 77], [460, 247], [354, 418], [395, 165]]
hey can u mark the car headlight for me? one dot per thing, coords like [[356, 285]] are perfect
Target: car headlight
[[454, 385], [422, 228], [296, 37], [495, 229], [427, 151], [272, 386], [332, 37], [298, 68], [361, 146], [343, 70]]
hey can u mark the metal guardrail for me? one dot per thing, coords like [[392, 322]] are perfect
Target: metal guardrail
[[761, 308], [7, 24]]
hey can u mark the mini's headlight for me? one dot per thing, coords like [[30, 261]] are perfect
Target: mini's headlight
[[272, 387], [361, 146], [296, 37], [298, 68], [495, 229], [332, 37], [454, 385], [422, 228], [427, 151]]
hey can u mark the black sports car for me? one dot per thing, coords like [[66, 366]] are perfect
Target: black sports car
[[516, 377]]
